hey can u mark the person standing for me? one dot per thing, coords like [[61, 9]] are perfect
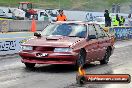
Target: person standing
[[61, 16], [130, 8], [116, 20], [107, 19], [119, 7], [122, 19], [113, 8], [129, 20]]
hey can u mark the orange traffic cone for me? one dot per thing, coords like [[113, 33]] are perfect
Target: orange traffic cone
[[33, 26]]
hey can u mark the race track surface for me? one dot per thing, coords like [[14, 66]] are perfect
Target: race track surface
[[13, 73]]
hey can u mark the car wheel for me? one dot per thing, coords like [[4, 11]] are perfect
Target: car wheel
[[106, 57], [29, 65], [81, 58]]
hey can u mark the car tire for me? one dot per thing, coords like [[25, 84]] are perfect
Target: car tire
[[81, 58], [106, 57], [29, 65]]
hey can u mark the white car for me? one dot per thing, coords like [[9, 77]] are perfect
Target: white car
[[2, 13], [19, 13], [5, 13], [44, 15]]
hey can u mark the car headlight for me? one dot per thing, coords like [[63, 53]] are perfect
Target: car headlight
[[27, 48], [62, 50]]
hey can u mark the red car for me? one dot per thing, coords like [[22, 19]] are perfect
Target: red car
[[68, 42]]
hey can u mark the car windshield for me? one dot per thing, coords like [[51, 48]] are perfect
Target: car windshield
[[71, 30]]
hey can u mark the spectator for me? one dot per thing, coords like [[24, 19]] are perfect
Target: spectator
[[118, 19], [113, 8], [118, 7], [61, 16], [107, 19], [122, 19], [130, 8], [129, 20]]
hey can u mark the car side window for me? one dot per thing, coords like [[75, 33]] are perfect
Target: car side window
[[100, 32], [105, 34], [92, 30], [43, 14]]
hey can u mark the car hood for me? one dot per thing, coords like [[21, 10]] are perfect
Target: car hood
[[53, 41]]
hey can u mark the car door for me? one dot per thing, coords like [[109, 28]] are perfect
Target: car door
[[92, 44], [102, 41]]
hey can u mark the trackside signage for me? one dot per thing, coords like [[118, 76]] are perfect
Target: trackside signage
[[10, 43], [11, 46]]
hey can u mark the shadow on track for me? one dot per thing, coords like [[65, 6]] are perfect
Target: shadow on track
[[63, 68]]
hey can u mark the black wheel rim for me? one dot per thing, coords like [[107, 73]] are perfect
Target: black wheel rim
[[107, 55]]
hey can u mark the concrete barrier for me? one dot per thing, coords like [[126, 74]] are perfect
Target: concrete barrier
[[20, 25]]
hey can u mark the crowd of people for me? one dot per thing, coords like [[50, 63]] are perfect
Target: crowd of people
[[116, 20], [109, 21]]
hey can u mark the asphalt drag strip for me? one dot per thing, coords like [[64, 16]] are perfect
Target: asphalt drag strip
[[13, 73]]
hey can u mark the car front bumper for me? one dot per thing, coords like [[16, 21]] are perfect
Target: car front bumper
[[38, 57]]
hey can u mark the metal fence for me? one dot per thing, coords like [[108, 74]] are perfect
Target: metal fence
[[20, 25]]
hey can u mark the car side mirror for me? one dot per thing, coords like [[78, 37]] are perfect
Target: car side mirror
[[91, 37], [38, 35]]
